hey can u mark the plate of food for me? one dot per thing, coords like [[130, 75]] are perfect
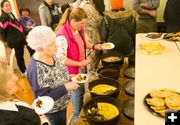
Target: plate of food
[[43, 104], [108, 45], [153, 36], [158, 101], [80, 78], [152, 48], [172, 36]]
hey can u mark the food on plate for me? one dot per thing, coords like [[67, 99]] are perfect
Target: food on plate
[[156, 101], [152, 47], [80, 77], [106, 45], [162, 112], [162, 100], [103, 111], [161, 93], [158, 107], [173, 101], [39, 103], [154, 35], [177, 34], [172, 36], [103, 89], [112, 59]]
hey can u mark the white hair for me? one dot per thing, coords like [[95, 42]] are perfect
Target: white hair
[[41, 37]]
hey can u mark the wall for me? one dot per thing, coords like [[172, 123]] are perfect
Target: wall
[[161, 11]]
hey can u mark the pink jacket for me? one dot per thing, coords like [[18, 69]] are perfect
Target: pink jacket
[[73, 49]]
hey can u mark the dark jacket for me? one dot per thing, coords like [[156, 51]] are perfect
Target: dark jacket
[[24, 116], [119, 28], [100, 6], [11, 31], [172, 15]]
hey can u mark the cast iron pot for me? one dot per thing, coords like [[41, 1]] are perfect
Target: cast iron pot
[[112, 54], [107, 81], [111, 71], [93, 101]]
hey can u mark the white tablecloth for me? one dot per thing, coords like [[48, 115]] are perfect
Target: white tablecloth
[[154, 72]]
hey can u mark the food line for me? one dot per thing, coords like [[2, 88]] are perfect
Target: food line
[[154, 72]]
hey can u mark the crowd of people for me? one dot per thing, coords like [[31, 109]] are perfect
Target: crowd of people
[[68, 42]]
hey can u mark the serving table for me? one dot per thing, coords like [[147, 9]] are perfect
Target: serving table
[[154, 72]]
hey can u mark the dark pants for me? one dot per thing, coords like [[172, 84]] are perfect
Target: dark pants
[[31, 51], [57, 118], [19, 53]]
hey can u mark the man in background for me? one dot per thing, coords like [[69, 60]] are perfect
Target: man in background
[[49, 13], [147, 11]]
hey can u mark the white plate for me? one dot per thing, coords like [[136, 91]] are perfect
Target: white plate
[[47, 105], [74, 78], [108, 45], [145, 36]]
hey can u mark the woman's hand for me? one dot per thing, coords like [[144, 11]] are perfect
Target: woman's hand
[[71, 86], [98, 47], [85, 62]]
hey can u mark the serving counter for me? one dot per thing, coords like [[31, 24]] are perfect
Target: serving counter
[[154, 72]]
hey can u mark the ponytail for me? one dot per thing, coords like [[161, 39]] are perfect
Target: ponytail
[[76, 13], [64, 18]]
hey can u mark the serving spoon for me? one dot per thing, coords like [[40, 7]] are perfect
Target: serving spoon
[[97, 74]]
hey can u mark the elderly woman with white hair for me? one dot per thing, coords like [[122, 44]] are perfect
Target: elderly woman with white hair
[[47, 76]]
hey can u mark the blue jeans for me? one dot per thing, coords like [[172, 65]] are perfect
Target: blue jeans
[[57, 118], [77, 100]]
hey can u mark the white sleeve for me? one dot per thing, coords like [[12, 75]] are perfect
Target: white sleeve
[[62, 46]]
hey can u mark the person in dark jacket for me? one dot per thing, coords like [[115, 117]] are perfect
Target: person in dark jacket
[[119, 28], [172, 16], [100, 6], [147, 11], [12, 32]]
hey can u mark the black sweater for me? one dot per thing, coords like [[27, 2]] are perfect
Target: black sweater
[[11, 31], [24, 116]]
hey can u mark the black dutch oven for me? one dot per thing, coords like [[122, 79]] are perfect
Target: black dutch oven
[[112, 54], [111, 71], [92, 119], [107, 81]]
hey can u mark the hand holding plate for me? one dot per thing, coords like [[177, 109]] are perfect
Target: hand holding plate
[[71, 86]]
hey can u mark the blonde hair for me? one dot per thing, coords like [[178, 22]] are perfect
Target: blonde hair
[[5, 73], [76, 13]]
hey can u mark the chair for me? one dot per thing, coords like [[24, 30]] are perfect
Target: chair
[[3, 54]]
